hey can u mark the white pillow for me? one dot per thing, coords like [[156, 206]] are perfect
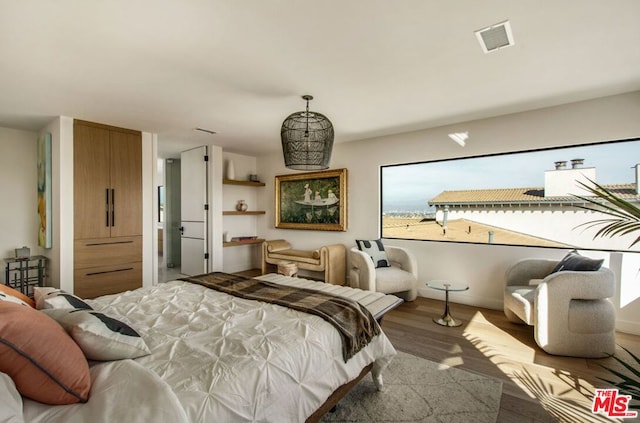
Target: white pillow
[[99, 336], [47, 297], [375, 249], [10, 401], [121, 391]]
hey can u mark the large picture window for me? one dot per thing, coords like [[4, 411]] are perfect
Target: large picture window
[[521, 198]]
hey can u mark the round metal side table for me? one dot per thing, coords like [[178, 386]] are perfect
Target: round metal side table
[[446, 319]]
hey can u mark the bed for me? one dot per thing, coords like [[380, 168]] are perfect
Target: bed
[[217, 357]]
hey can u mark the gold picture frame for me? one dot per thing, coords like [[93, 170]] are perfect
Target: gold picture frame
[[314, 201]]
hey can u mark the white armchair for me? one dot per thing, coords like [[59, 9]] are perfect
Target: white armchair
[[569, 310], [401, 278]]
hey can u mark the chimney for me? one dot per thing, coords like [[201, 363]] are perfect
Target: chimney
[[563, 182], [560, 165], [637, 167]]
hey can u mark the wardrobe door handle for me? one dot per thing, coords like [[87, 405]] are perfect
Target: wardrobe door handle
[[106, 191], [113, 207], [126, 269]]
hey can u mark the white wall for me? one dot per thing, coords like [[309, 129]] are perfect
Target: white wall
[[149, 209], [61, 254], [627, 269], [554, 223], [18, 192], [215, 209], [481, 267]]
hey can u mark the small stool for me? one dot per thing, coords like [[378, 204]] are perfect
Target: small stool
[[288, 268]]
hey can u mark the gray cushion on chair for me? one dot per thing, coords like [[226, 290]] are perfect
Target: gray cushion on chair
[[574, 261]]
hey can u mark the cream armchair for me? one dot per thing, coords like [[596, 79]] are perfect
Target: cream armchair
[[569, 310], [401, 278]]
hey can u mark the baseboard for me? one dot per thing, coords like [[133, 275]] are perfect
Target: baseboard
[[463, 297], [627, 326]]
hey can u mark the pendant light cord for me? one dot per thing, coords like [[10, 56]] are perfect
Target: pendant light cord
[[306, 131]]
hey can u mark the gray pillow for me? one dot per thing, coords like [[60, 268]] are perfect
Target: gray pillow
[[575, 261]]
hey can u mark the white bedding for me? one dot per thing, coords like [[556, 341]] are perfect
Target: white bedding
[[230, 360], [121, 391]]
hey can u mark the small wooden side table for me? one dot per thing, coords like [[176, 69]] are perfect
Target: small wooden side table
[[446, 319]]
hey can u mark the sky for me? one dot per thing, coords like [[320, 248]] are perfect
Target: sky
[[410, 187]]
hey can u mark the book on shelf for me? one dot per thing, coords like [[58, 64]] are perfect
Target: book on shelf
[[243, 238]]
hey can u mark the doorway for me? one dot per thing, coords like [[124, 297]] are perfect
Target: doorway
[[170, 261]]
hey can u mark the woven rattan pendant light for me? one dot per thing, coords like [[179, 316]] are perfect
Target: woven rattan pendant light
[[307, 140]]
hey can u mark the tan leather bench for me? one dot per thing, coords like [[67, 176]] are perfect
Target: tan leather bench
[[330, 259]]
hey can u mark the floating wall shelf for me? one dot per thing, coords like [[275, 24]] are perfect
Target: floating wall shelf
[[238, 213], [237, 243], [245, 183]]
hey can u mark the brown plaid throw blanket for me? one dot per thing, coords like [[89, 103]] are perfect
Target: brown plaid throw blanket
[[353, 321]]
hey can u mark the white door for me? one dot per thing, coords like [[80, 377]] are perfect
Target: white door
[[193, 205]]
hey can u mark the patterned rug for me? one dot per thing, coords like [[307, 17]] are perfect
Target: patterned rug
[[421, 391]]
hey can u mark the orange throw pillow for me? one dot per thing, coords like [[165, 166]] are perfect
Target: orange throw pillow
[[45, 364], [10, 291]]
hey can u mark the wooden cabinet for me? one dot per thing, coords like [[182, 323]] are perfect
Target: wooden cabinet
[[107, 209], [107, 181]]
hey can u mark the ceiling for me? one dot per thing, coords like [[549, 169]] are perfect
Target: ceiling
[[374, 67]]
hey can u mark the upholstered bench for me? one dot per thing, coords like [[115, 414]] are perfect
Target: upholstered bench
[[376, 302], [330, 259]]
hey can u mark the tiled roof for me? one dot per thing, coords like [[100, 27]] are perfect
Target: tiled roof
[[519, 195]]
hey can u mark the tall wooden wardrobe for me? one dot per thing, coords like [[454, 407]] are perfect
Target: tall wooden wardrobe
[[107, 188]]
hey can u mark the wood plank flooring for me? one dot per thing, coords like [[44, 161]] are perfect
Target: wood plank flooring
[[537, 387]]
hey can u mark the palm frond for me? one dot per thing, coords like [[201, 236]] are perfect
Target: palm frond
[[624, 216]]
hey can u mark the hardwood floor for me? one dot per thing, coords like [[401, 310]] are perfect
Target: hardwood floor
[[537, 387]]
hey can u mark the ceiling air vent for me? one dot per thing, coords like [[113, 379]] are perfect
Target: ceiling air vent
[[495, 37], [206, 131]]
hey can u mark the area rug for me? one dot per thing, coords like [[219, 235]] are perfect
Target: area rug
[[421, 391]]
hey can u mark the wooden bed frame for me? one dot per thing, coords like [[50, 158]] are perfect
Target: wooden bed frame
[[337, 395], [378, 305]]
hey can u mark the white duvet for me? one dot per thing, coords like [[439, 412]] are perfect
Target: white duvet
[[224, 359]]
